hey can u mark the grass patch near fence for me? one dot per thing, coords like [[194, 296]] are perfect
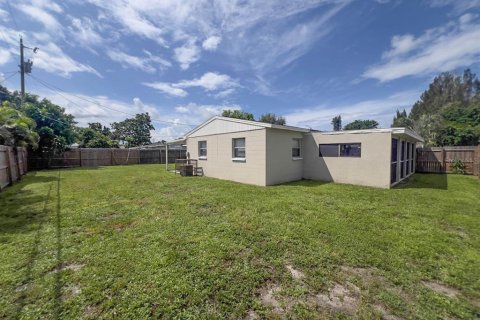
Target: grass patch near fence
[[137, 242]]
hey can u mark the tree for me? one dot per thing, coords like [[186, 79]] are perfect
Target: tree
[[16, 129], [55, 127], [444, 89], [237, 114], [428, 126], [337, 123], [97, 126], [133, 132], [361, 124], [91, 138], [461, 125], [446, 112], [401, 120], [272, 118]]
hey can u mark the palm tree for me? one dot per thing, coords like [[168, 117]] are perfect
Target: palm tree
[[16, 129]]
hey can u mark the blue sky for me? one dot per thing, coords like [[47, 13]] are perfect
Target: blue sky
[[185, 61]]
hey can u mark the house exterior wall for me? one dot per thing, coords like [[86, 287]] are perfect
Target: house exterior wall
[[219, 163], [222, 126], [281, 167], [371, 169]]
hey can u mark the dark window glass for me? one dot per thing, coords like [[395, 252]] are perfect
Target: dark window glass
[[402, 155], [393, 170], [413, 157], [394, 150], [350, 150], [328, 150], [402, 170]]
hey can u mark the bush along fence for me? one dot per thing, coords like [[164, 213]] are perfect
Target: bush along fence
[[449, 159], [93, 157], [13, 165]]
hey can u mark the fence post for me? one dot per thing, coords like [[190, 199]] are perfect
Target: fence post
[[442, 160], [80, 156], [9, 167], [476, 161]]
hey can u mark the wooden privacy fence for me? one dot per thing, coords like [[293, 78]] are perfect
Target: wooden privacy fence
[[440, 159], [93, 157], [13, 165]]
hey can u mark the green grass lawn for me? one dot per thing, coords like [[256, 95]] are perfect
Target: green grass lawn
[[137, 242]]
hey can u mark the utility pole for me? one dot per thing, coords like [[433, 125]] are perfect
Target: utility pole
[[25, 67], [22, 69]]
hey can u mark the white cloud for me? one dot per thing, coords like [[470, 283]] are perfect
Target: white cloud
[[170, 123], [167, 88], [42, 16], [203, 112], [187, 54], [83, 31], [47, 4], [381, 110], [459, 6], [5, 56], [224, 93], [436, 50], [3, 15], [134, 20], [157, 59], [211, 43], [51, 58], [252, 28], [127, 60], [210, 81]]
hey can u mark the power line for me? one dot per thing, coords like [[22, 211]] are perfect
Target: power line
[[8, 77], [11, 14], [56, 89]]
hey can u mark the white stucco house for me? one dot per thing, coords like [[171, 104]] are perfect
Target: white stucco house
[[267, 154]]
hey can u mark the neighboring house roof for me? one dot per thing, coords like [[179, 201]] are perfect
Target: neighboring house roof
[[399, 131], [247, 122]]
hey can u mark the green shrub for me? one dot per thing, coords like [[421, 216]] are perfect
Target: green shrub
[[458, 166]]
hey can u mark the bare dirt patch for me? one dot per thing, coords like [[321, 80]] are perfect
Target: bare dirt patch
[[441, 288], [122, 226], [296, 274], [251, 315], [91, 312], [367, 275], [385, 313], [267, 295], [71, 291], [68, 266], [340, 297]]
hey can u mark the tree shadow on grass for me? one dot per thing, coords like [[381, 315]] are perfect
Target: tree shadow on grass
[[33, 256], [425, 181], [19, 206], [57, 307]]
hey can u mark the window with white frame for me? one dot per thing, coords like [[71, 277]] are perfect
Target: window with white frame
[[297, 148], [202, 150], [238, 149]]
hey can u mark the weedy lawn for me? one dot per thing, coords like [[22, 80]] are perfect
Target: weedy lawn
[[137, 242]]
